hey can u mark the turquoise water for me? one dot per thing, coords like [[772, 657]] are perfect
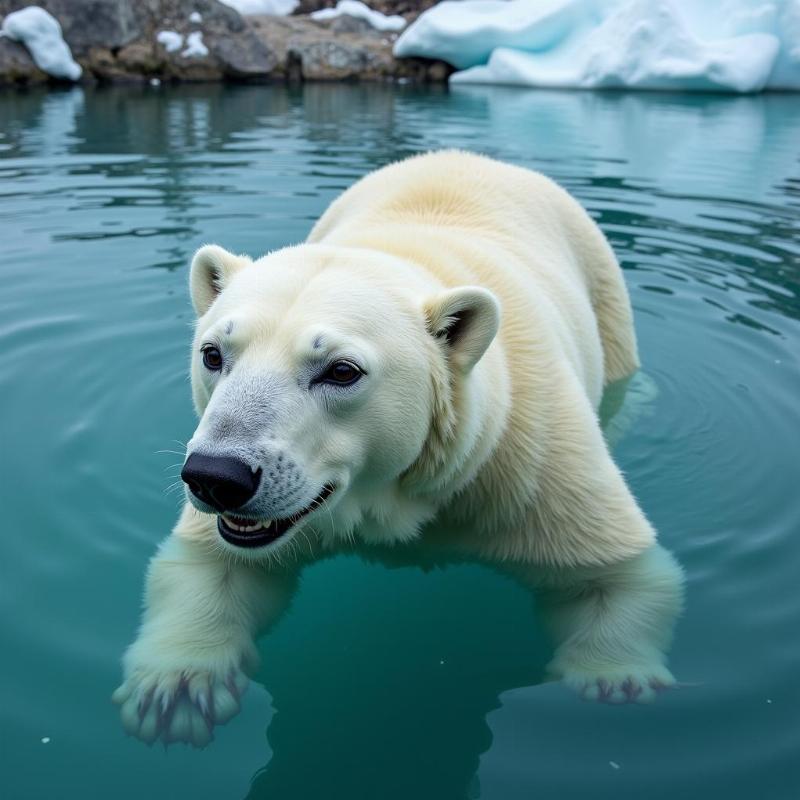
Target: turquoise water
[[393, 683]]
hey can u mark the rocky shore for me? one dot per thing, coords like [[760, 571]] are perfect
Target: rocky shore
[[118, 41]]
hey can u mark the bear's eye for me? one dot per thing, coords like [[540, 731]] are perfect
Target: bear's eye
[[341, 373], [212, 358]]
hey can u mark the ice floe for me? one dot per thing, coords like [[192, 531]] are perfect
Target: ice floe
[[41, 34], [720, 45], [359, 10]]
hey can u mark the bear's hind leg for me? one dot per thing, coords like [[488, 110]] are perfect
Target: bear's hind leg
[[614, 625]]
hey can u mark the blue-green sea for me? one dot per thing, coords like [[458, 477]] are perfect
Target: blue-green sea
[[393, 684]]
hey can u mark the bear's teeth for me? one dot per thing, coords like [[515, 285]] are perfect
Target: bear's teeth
[[255, 525]]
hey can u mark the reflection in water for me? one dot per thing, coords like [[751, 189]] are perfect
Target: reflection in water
[[195, 143], [385, 721], [386, 695], [382, 679]]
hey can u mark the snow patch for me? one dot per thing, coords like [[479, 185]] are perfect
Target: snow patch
[[359, 10], [41, 34], [170, 40], [194, 46], [275, 8], [195, 17], [721, 45]]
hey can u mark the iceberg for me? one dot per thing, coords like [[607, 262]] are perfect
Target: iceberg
[[721, 45], [359, 10], [41, 34]]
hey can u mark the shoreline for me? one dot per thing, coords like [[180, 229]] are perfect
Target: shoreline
[[124, 48]]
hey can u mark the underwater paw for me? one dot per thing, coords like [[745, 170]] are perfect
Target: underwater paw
[[619, 684], [179, 705]]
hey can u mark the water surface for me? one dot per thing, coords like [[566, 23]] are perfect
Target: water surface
[[393, 683]]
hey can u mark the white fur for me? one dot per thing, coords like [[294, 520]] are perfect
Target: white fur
[[488, 313]]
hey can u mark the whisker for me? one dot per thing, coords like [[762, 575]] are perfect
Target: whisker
[[294, 546], [308, 542], [324, 503], [173, 487]]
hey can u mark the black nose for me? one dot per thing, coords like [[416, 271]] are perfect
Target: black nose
[[223, 482]]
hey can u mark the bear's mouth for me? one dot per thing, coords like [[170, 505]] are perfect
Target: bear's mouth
[[247, 532]]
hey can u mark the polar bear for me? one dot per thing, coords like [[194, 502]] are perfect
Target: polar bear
[[419, 379]]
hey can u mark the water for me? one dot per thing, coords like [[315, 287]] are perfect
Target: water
[[393, 683]]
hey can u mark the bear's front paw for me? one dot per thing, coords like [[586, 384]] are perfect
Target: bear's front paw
[[617, 684], [179, 705]]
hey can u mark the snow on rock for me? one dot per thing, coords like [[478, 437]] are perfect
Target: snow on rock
[[722, 45], [359, 10], [41, 34], [195, 17], [194, 46], [170, 40], [275, 8]]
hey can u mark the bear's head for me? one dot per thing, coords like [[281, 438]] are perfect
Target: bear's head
[[330, 383]]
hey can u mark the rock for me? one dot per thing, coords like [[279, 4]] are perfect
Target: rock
[[115, 40], [334, 61], [141, 58], [88, 23], [293, 39], [161, 14], [249, 58], [234, 51], [315, 51], [346, 24], [17, 66]]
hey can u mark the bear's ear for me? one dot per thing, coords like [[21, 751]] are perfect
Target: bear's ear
[[465, 320], [212, 267]]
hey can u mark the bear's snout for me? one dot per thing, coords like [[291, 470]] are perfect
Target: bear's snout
[[222, 482]]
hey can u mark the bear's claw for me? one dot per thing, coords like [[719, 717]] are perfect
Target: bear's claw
[[619, 685], [178, 706]]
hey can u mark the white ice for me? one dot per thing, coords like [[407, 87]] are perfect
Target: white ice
[[194, 46], [359, 10], [275, 8], [41, 34], [171, 40], [721, 45]]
